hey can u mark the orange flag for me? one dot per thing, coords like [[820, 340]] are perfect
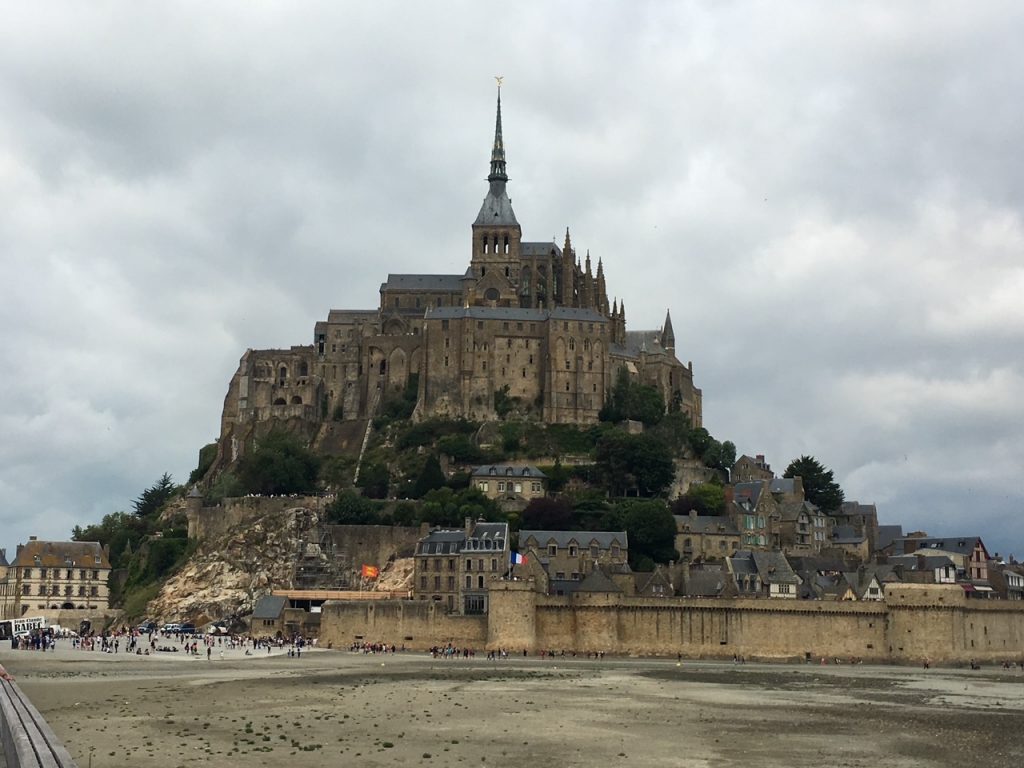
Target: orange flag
[[371, 571]]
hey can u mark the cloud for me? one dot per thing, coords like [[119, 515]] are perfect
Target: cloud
[[827, 198]]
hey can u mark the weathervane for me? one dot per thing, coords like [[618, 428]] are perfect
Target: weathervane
[[498, 79]]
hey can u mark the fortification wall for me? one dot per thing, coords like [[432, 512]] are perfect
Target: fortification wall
[[213, 522], [416, 624]]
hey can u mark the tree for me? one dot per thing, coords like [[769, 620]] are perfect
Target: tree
[[430, 477], [279, 463], [704, 498], [819, 487], [349, 508], [154, 497], [628, 400], [651, 531], [544, 514], [639, 463], [374, 479]]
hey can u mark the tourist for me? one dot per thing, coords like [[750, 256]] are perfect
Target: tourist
[[5, 675]]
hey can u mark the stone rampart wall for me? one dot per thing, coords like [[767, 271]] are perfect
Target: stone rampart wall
[[416, 624], [916, 622]]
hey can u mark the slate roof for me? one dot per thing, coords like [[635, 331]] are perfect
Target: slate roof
[[496, 210], [742, 563], [507, 470], [782, 485], [748, 492], [338, 315], [269, 607], [434, 283], [850, 508], [963, 545], [817, 563], [539, 249], [887, 534], [713, 524], [441, 542], [636, 342], [597, 581], [515, 314], [562, 539], [923, 562], [57, 554], [3, 558], [773, 568], [488, 536], [790, 510], [706, 582], [846, 534]]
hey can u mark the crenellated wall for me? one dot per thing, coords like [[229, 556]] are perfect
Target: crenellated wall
[[915, 622]]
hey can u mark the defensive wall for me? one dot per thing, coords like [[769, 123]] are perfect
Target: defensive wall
[[914, 622]]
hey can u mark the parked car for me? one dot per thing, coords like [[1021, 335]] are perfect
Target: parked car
[[146, 627], [188, 628], [170, 628]]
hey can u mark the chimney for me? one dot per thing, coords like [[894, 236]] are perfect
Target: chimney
[[693, 514], [728, 493], [469, 524], [920, 563]]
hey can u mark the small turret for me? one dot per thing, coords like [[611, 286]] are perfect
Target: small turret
[[668, 336]]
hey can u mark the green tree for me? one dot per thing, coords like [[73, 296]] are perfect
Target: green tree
[[278, 463], [629, 400], [154, 497], [633, 463], [544, 514], [430, 477], [207, 454], [349, 508], [704, 498], [651, 531], [819, 486], [374, 479]]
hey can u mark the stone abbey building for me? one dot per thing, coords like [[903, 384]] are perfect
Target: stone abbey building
[[527, 323]]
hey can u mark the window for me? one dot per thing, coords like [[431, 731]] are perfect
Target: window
[[573, 550], [494, 563], [552, 550], [451, 583], [423, 582], [42, 573], [27, 573], [437, 565], [560, 575], [594, 551], [501, 485], [469, 581], [784, 589], [519, 488], [437, 583], [475, 605], [480, 565], [482, 485], [451, 564], [469, 564]]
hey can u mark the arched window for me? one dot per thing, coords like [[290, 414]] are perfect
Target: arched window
[[282, 375], [485, 244], [572, 343], [303, 368], [506, 246], [296, 400], [280, 401]]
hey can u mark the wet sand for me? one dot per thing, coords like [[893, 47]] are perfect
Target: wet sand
[[335, 707]]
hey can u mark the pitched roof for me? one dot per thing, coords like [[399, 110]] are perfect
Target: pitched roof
[[562, 539], [706, 582], [3, 558], [411, 282], [597, 581], [887, 534], [441, 542], [719, 524], [846, 534], [507, 470], [783, 485], [791, 510], [539, 249], [920, 562], [515, 313], [748, 491], [269, 607], [963, 545], [773, 568], [57, 554]]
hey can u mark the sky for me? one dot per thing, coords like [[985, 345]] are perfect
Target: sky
[[828, 197]]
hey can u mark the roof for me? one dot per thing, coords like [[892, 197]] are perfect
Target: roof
[[269, 607], [441, 542], [783, 485], [850, 508], [846, 534], [515, 313], [339, 315], [3, 558], [507, 470], [539, 249], [597, 581], [648, 342], [706, 582], [921, 562], [719, 524], [57, 554], [449, 283], [748, 491], [887, 534], [496, 209], [562, 539], [486, 533], [773, 568], [963, 545], [791, 510]]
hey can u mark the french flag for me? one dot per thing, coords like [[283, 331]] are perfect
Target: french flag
[[518, 559]]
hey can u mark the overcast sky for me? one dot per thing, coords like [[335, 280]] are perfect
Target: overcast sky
[[828, 196]]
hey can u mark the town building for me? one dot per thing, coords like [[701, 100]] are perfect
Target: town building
[[510, 482], [57, 575], [452, 567], [570, 556], [750, 468], [705, 537]]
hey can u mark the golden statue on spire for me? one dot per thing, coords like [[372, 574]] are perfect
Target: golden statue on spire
[[498, 79]]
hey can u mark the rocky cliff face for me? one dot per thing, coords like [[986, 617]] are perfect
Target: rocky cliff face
[[264, 547]]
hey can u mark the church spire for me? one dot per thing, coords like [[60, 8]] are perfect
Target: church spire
[[668, 336], [498, 150]]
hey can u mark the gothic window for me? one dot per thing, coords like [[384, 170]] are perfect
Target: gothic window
[[491, 294], [508, 270], [383, 366], [282, 375], [572, 343], [496, 244], [303, 369], [506, 251], [296, 400], [484, 244]]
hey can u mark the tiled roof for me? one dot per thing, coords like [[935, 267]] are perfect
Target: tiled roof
[[441, 542], [707, 524], [57, 554], [773, 568], [597, 581]]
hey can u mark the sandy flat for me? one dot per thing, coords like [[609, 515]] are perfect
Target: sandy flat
[[336, 707]]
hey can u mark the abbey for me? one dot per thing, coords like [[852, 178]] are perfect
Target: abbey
[[527, 328]]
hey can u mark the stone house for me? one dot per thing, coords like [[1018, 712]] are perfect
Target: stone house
[[58, 575], [802, 527], [750, 469], [846, 539], [967, 553], [656, 583], [1006, 580], [921, 568], [763, 574], [755, 512], [510, 482], [863, 518], [571, 555], [705, 537], [453, 567]]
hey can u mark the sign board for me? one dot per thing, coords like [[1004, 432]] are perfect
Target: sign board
[[26, 625]]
